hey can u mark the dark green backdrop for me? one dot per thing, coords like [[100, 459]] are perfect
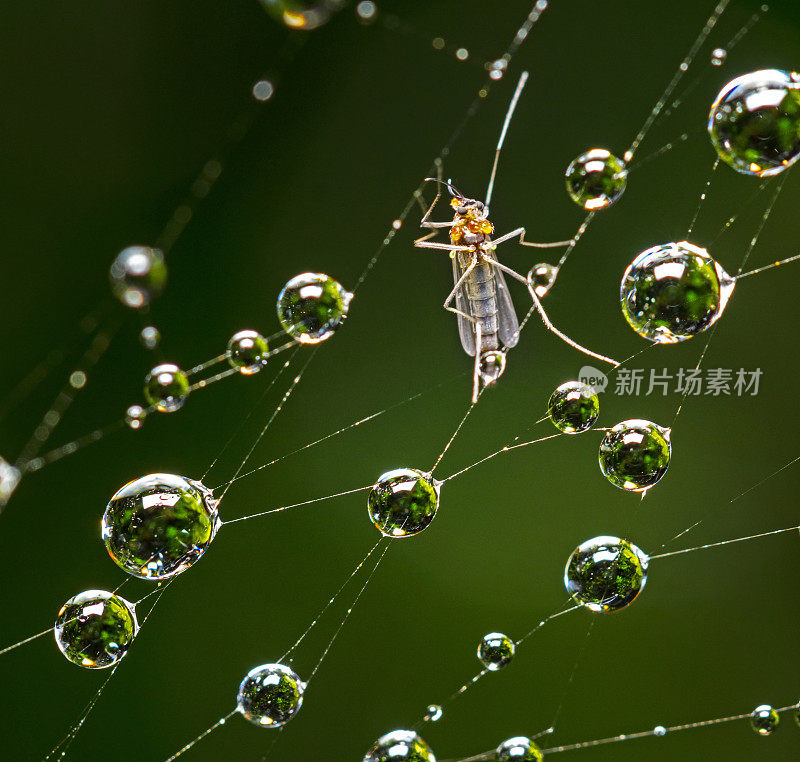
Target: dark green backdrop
[[111, 108]]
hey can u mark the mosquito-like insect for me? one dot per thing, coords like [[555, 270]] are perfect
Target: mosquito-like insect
[[487, 322]]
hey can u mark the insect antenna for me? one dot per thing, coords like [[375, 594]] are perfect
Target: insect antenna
[[520, 85], [450, 187]]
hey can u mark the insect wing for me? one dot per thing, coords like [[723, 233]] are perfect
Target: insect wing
[[508, 326], [466, 330]]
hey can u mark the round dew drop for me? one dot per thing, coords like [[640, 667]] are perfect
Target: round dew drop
[[635, 454], [574, 407], [403, 502], [166, 388], [247, 352], [674, 291], [302, 14], [596, 179], [754, 123], [764, 720], [519, 749], [138, 275], [270, 695], [157, 526], [541, 278], [312, 307], [492, 366], [94, 629], [400, 746], [605, 574], [495, 650]]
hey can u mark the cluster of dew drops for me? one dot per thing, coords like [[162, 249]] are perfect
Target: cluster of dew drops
[[157, 526]]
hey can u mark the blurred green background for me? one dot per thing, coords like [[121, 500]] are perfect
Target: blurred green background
[[109, 111]]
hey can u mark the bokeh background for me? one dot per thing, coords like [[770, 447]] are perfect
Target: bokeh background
[[110, 109]]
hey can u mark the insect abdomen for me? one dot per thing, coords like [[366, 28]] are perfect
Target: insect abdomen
[[481, 291]]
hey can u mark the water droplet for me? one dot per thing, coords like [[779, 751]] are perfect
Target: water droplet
[[166, 387], [403, 502], [754, 123], [138, 275], [764, 720], [366, 10], [605, 574], [659, 730], [438, 43], [134, 417], [263, 90], [596, 179], [491, 367], [674, 291], [9, 479], [497, 68], [573, 407], [94, 629], [519, 749], [77, 379], [302, 14], [400, 745], [312, 306], [149, 337], [718, 56], [462, 54], [495, 650], [635, 454], [247, 352], [541, 277], [157, 526], [434, 713], [270, 695]]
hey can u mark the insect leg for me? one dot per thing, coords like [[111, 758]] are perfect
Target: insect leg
[[546, 320], [423, 243], [521, 233], [452, 295]]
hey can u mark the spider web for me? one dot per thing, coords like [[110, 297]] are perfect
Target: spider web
[[709, 636]]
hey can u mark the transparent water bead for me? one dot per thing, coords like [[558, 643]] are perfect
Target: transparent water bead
[[718, 56], [138, 275], [519, 749], [247, 352], [764, 720], [95, 629], [635, 454], [754, 123], [400, 746], [674, 291], [157, 526], [574, 407], [312, 306], [9, 479], [134, 417], [496, 650], [605, 574], [433, 713], [596, 179], [150, 337], [166, 388], [403, 502], [302, 14], [492, 366], [270, 695], [541, 277]]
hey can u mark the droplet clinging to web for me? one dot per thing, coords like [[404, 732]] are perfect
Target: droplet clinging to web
[[754, 123], [634, 455], [519, 749], [166, 388], [270, 695], [403, 502], [596, 179], [496, 650], [247, 352], [138, 275], [606, 574], [312, 306], [764, 720], [541, 277], [159, 525], [95, 629], [674, 291], [574, 407], [400, 746]]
